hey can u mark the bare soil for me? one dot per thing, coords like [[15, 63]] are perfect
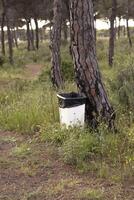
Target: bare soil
[[38, 173], [32, 71]]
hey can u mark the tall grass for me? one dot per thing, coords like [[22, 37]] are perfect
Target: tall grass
[[31, 106]]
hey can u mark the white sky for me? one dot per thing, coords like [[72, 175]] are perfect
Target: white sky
[[100, 24]]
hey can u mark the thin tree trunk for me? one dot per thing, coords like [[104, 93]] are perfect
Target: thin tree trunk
[[124, 31], [32, 36], [10, 43], [57, 79], [3, 34], [95, 29], [112, 32], [128, 32], [87, 72], [41, 35], [15, 38], [37, 33], [119, 28], [9, 35], [28, 35]]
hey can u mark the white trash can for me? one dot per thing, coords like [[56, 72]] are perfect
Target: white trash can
[[72, 109]]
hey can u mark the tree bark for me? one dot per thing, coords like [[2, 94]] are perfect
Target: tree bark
[[87, 72], [9, 35], [28, 35], [3, 34], [119, 28], [112, 32], [55, 36], [32, 36], [10, 43], [128, 32], [15, 38], [37, 33]]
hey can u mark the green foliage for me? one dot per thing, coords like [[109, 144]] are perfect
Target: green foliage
[[79, 146], [21, 151], [2, 60], [27, 110], [91, 194], [67, 70], [125, 85]]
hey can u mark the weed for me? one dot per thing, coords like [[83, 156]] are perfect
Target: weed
[[91, 194]]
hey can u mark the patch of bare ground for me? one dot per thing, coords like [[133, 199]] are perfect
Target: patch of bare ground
[[32, 170], [32, 71]]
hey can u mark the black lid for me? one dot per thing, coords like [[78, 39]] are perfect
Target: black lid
[[68, 100]]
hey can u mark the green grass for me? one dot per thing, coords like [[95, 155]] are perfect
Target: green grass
[[91, 194], [31, 107]]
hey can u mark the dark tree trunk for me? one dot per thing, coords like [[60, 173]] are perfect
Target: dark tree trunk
[[9, 35], [37, 33], [95, 29], [119, 28], [87, 72], [124, 31], [28, 35], [112, 32], [57, 79], [3, 34], [32, 36], [10, 43], [42, 34], [15, 38], [128, 32]]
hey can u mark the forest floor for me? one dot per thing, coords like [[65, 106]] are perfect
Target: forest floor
[[33, 170], [31, 71]]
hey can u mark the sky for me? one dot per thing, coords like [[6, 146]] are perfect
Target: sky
[[101, 24]]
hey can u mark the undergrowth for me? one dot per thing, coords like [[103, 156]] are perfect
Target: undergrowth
[[31, 107]]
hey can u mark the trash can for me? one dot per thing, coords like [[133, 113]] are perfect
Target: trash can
[[72, 109]]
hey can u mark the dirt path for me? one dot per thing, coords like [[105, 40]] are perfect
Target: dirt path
[[32, 71], [32, 170]]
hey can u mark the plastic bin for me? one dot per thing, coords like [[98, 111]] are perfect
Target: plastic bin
[[72, 109]]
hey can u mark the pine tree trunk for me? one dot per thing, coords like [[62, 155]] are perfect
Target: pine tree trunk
[[37, 33], [10, 43], [28, 35], [3, 35], [124, 31], [41, 35], [87, 72], [112, 32], [128, 32], [57, 79], [15, 38], [119, 28], [9, 35], [95, 29], [32, 36]]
